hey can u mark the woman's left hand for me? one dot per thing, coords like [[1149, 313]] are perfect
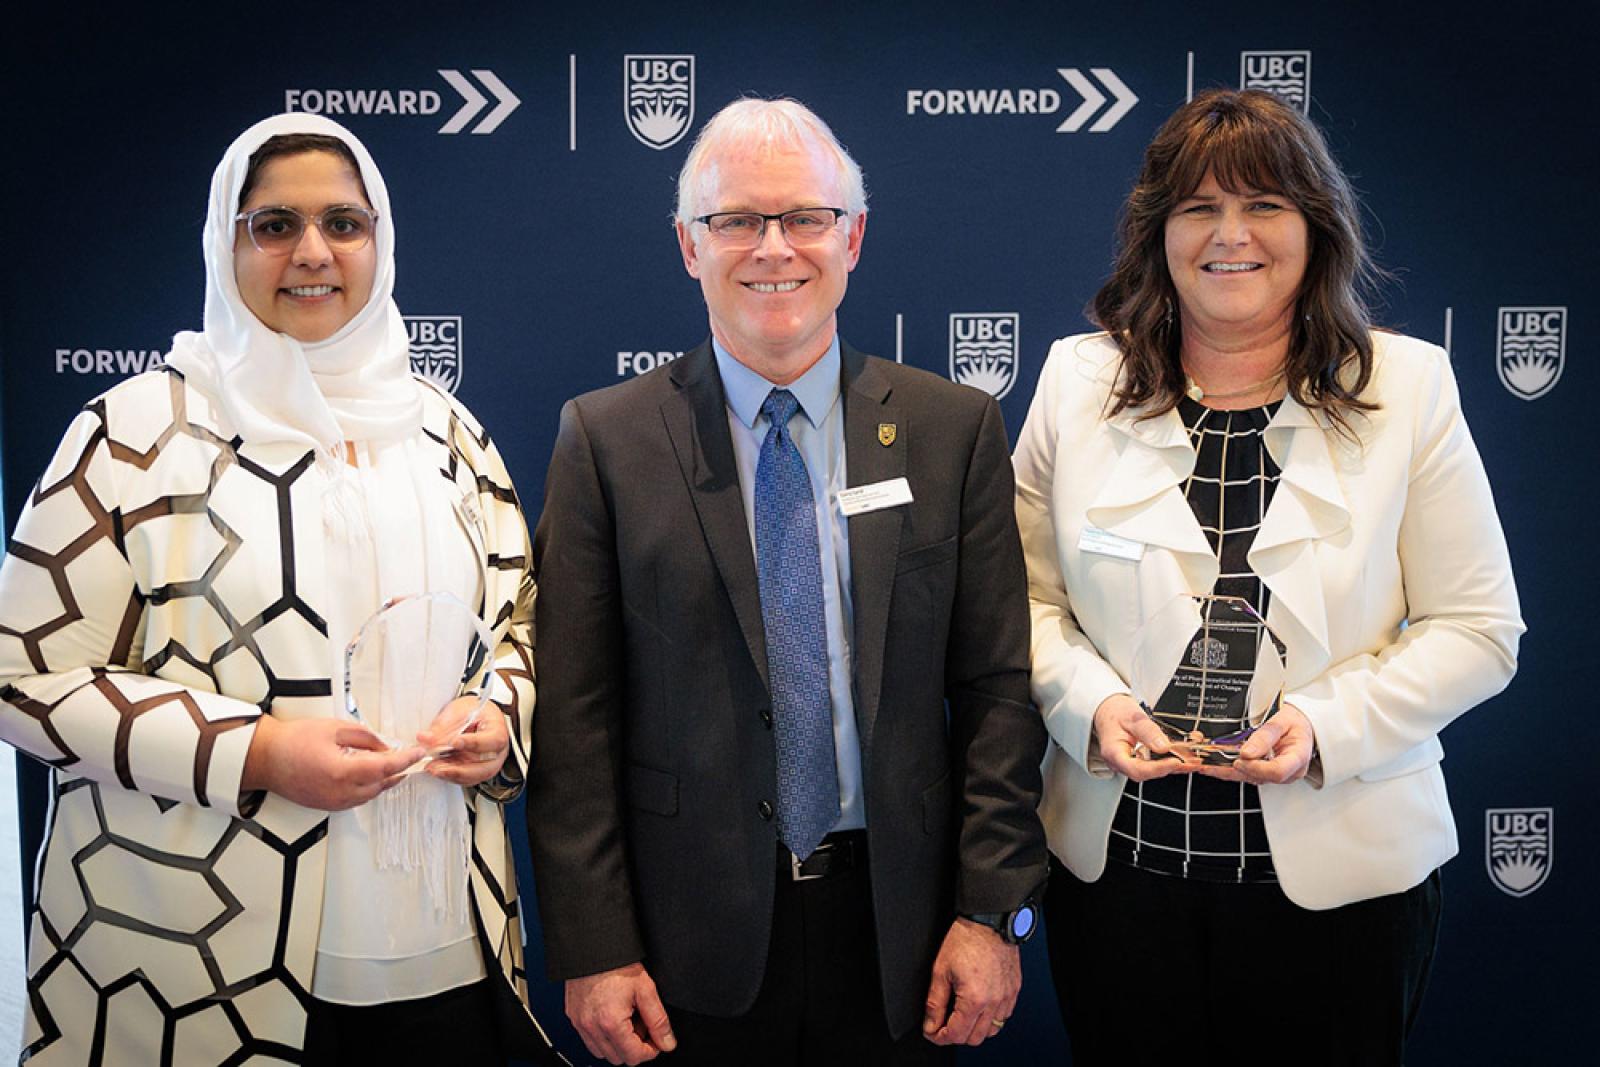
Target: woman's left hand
[[475, 755], [1277, 753]]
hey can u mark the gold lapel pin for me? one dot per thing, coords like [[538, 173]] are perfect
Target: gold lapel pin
[[886, 432]]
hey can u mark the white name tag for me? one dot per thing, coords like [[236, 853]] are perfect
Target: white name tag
[[1098, 541], [859, 499]]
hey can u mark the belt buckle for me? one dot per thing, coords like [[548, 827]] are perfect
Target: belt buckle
[[796, 863]]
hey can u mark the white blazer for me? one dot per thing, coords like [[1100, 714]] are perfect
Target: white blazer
[[1391, 590]]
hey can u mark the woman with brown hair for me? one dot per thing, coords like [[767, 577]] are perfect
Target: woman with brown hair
[[1241, 451]]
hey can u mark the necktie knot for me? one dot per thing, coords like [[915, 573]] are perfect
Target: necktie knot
[[780, 406]]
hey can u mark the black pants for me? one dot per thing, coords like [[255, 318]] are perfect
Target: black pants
[[821, 1001], [473, 1024], [1155, 969]]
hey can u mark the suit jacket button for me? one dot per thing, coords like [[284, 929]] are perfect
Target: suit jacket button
[[765, 808], [766, 717]]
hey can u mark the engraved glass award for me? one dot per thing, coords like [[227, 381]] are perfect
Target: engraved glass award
[[409, 660], [1209, 671]]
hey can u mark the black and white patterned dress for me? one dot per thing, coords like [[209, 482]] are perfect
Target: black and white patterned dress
[[164, 588], [1191, 825]]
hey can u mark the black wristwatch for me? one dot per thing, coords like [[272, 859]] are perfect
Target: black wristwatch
[[1014, 927]]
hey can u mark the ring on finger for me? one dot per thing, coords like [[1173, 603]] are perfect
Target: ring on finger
[[997, 1023]]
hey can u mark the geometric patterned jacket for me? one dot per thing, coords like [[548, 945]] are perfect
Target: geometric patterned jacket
[[163, 589]]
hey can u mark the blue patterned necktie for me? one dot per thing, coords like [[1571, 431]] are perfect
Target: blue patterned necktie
[[789, 563]]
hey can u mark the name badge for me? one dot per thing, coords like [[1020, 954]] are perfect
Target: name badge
[[860, 499], [1100, 543]]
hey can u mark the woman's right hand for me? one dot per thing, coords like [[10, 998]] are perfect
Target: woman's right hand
[[327, 764], [1132, 744]]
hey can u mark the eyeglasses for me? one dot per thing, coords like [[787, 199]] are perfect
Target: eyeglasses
[[276, 231], [745, 229]]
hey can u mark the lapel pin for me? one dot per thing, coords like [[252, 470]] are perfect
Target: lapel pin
[[886, 434]]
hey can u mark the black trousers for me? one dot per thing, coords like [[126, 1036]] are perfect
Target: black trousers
[[1154, 969], [481, 1023], [821, 1001]]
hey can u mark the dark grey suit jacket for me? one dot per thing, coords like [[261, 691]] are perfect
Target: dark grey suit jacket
[[654, 775]]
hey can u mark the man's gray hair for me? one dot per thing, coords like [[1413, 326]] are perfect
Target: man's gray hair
[[753, 121]]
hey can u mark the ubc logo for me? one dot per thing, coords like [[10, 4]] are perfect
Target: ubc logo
[[983, 350], [1519, 848], [436, 348], [1287, 74], [1532, 349], [658, 98]]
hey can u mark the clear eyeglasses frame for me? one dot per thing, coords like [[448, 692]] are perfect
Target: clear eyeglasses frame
[[277, 230], [746, 229]]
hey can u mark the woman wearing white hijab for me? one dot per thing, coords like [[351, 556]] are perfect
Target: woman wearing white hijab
[[234, 866]]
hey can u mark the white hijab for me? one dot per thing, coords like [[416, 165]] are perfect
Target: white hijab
[[354, 386]]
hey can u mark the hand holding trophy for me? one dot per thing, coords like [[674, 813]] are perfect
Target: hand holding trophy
[[1209, 671], [412, 664], [410, 661]]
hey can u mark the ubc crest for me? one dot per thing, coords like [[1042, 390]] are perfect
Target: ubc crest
[[1532, 349], [1286, 74], [983, 350], [658, 98], [1519, 848], [436, 348]]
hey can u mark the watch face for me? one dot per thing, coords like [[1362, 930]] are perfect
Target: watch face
[[1022, 921]]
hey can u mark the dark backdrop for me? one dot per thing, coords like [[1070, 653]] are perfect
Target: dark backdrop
[[538, 253]]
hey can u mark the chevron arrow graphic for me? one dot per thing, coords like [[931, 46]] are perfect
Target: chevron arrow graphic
[[475, 101], [1093, 98], [1124, 104], [508, 101]]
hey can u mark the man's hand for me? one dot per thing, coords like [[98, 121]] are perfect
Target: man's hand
[[976, 979], [327, 764], [619, 1016]]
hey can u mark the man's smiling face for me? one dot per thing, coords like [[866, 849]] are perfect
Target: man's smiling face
[[772, 306]]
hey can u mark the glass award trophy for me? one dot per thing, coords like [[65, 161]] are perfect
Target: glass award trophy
[[410, 659], [1209, 671]]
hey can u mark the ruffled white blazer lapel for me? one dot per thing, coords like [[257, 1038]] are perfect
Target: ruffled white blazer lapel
[[1142, 501], [1308, 506]]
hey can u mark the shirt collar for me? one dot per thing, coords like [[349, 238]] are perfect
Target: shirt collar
[[817, 389]]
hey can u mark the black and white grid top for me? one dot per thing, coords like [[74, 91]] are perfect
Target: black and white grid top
[[1188, 824]]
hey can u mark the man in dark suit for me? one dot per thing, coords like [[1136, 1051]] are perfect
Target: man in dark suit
[[785, 773]]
